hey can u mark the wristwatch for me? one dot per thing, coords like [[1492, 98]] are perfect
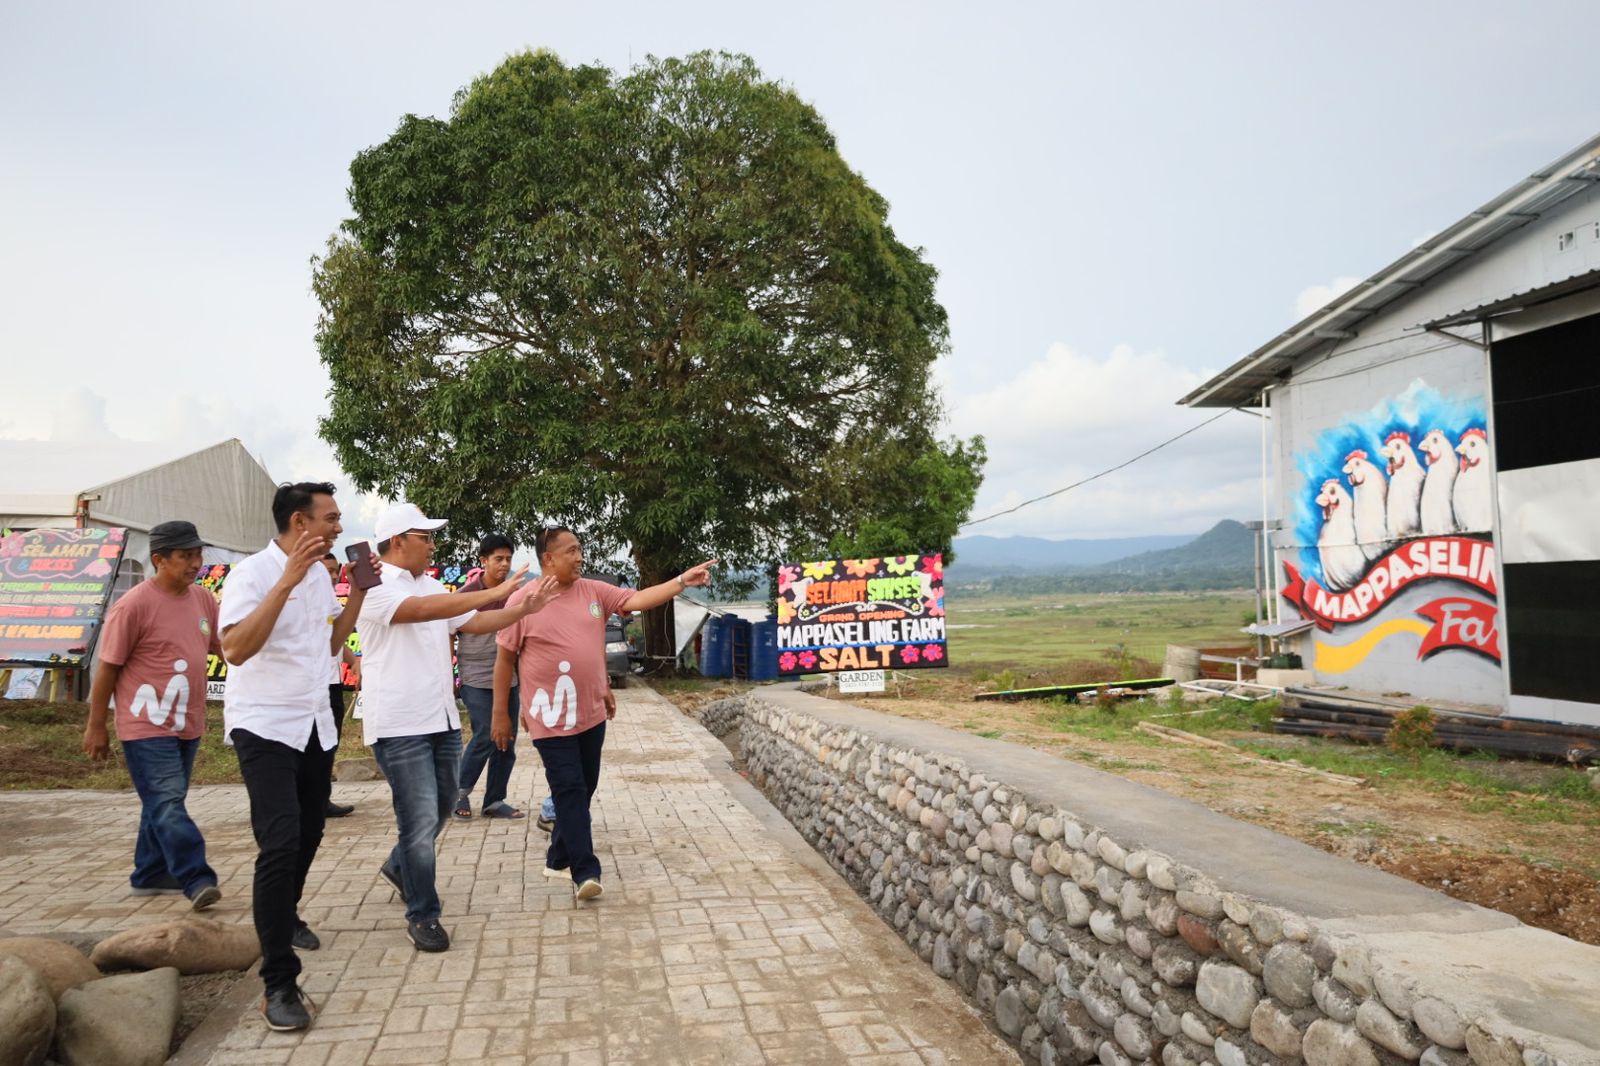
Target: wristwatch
[[683, 585]]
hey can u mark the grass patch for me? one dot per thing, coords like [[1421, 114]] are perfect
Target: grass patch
[[41, 747], [1118, 721]]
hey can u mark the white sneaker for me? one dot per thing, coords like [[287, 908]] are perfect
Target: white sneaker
[[590, 889], [550, 871]]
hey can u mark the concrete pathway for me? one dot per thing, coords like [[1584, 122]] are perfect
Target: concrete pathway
[[722, 938]]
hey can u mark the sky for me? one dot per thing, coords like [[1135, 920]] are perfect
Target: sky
[[1121, 199]]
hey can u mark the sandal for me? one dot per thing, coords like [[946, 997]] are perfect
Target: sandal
[[503, 810], [464, 805]]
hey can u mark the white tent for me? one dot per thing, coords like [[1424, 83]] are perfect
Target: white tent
[[222, 489]]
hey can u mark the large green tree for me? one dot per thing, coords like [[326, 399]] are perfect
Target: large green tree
[[658, 307]]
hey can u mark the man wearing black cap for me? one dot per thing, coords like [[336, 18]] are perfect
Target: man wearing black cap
[[153, 660]]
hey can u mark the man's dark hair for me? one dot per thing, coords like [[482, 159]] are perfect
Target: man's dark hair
[[494, 542], [330, 555], [291, 500], [546, 534]]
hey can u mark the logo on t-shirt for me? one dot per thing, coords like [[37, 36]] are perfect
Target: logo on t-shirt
[[174, 702], [594, 609], [549, 710], [205, 625]]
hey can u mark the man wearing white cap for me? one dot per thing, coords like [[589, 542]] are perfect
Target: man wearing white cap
[[408, 698]]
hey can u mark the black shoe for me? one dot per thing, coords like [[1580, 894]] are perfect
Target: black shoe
[[393, 877], [428, 935], [287, 1009], [339, 810], [207, 896], [304, 938]]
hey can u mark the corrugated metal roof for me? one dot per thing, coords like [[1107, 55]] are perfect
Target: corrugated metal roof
[[1524, 202], [1519, 301]]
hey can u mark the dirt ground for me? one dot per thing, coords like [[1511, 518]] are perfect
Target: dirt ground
[[1503, 855]]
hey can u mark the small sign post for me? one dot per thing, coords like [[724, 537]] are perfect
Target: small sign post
[[860, 680]]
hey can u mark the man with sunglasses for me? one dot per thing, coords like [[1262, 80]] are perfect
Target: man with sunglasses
[[408, 697]]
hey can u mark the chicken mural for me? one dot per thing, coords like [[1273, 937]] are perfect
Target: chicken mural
[[1404, 509], [1438, 485], [1375, 541]]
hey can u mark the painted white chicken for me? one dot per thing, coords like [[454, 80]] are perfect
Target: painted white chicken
[[1342, 560], [1473, 497], [1404, 509], [1370, 491], [1438, 514]]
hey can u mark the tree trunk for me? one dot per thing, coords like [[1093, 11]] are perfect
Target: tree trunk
[[660, 637]]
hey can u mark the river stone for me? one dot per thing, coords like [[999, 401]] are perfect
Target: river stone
[[1334, 1000], [1158, 871], [1266, 925], [1076, 902], [1289, 972], [1059, 857], [1000, 834], [1161, 911], [1197, 1029], [125, 1020], [1199, 934], [1104, 926], [1274, 1029], [1178, 1053], [1102, 1004], [1166, 1019], [1200, 904], [1379, 1025], [61, 965], [1487, 1050], [1138, 940], [1008, 1011], [1134, 1035], [191, 944], [1397, 992], [1439, 1023], [1049, 828], [944, 963], [27, 1013], [1236, 942], [1176, 964], [1022, 882], [1328, 1043], [1438, 1056], [1228, 992], [1352, 967]]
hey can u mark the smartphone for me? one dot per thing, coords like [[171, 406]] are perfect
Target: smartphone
[[362, 575]]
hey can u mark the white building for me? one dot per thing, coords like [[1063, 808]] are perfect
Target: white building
[[222, 489], [1438, 460]]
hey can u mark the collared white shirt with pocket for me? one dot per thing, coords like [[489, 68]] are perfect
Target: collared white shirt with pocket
[[281, 691], [407, 685]]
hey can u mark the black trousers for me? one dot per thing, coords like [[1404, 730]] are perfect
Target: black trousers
[[288, 792], [336, 703], [572, 770]]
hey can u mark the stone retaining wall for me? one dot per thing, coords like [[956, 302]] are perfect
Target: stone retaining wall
[[1084, 943]]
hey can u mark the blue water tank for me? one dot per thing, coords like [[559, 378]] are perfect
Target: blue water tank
[[764, 650], [716, 654]]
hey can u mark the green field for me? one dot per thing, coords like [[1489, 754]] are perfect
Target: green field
[[1042, 633]]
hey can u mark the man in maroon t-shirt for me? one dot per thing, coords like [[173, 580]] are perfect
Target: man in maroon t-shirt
[[559, 658], [153, 660]]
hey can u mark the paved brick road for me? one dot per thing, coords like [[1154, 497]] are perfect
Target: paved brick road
[[721, 937]]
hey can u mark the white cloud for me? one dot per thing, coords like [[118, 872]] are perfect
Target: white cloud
[[1314, 296], [1070, 415]]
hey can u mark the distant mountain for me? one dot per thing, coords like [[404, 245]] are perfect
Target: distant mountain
[[1223, 557], [1227, 546], [1014, 555]]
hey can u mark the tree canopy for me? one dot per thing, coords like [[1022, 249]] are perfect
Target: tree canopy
[[658, 307]]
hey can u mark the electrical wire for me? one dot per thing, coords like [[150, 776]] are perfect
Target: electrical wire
[[1103, 473]]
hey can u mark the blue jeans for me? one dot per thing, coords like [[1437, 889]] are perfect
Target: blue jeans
[[572, 770], [422, 779], [481, 749], [170, 848]]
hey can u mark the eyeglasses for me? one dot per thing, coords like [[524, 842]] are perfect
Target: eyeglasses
[[420, 536]]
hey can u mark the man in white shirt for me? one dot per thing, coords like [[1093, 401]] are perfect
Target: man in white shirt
[[280, 622], [408, 697]]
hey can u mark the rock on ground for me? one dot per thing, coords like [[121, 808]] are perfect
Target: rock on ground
[[189, 944], [27, 1013], [61, 965], [125, 1020]]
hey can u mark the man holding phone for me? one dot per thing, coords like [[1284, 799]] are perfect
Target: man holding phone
[[408, 692], [280, 624]]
